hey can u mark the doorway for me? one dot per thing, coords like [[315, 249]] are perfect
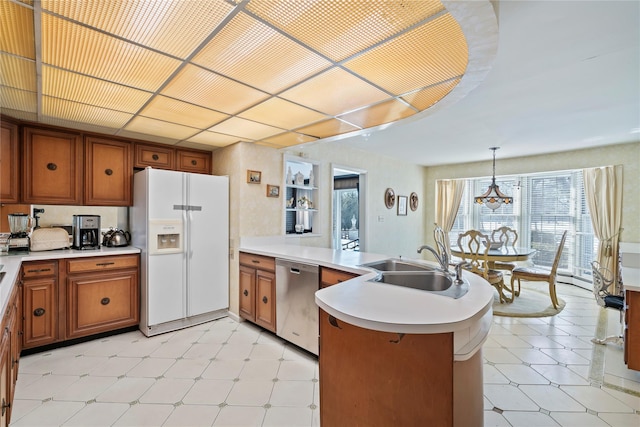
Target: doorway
[[348, 216]]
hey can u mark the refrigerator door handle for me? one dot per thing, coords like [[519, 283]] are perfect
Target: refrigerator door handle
[[180, 207]]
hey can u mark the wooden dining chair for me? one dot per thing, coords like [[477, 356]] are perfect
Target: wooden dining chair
[[508, 236], [540, 275], [474, 246]]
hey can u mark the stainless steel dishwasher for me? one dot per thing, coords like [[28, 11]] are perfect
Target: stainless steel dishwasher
[[296, 309]]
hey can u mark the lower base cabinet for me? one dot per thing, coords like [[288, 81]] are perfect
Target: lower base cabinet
[[10, 346], [632, 330], [257, 284]]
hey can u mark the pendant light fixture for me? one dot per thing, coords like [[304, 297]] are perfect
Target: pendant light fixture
[[493, 198]]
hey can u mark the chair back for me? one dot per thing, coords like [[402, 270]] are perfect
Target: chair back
[[508, 236], [602, 279], [474, 251], [556, 261], [439, 236]]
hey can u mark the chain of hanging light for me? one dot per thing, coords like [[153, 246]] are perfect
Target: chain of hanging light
[[493, 198]]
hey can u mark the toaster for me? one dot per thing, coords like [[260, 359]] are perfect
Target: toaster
[[46, 239]]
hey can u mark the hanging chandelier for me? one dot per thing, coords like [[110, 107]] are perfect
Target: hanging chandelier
[[493, 198]]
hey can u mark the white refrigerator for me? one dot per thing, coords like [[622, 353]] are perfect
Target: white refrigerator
[[180, 221]]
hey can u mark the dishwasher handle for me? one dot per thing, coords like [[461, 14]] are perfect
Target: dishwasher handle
[[294, 270]]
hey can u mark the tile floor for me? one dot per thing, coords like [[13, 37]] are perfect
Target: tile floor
[[537, 372]]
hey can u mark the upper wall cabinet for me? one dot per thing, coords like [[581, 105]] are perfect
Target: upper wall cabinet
[[52, 167], [301, 197], [194, 161], [165, 157], [155, 156], [9, 165], [109, 172]]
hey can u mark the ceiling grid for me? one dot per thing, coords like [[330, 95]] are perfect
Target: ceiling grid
[[214, 72]]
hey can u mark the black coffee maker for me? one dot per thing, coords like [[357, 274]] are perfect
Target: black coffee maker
[[86, 232]]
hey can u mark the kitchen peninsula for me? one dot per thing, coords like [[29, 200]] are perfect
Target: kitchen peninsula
[[393, 355]]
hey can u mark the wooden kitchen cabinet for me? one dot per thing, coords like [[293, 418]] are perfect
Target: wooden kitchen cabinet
[[10, 353], [411, 373], [9, 170], [330, 277], [257, 286], [108, 176], [4, 378], [632, 330], [194, 161], [102, 294], [40, 303], [156, 156], [52, 167]]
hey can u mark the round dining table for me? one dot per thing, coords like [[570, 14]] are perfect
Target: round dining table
[[504, 254]]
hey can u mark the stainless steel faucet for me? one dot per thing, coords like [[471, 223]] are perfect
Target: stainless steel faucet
[[442, 259]]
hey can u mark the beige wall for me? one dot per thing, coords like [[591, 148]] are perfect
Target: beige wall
[[253, 214], [627, 155]]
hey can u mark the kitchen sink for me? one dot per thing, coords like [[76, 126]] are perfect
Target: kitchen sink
[[432, 281], [393, 264]]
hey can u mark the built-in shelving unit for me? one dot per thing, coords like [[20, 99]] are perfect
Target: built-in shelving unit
[[301, 196]]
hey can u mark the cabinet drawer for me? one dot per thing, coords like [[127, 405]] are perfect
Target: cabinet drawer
[[258, 261], [157, 157], [81, 265], [32, 270], [329, 276]]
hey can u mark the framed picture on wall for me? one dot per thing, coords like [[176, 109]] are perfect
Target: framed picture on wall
[[402, 205], [273, 190], [254, 177]]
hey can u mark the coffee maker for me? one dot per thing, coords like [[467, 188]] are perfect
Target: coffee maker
[[19, 228], [86, 232]]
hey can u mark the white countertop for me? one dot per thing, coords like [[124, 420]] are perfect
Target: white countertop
[[390, 308], [11, 264]]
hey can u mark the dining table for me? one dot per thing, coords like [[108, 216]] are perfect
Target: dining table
[[504, 254]]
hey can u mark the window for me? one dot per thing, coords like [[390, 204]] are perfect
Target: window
[[544, 205]]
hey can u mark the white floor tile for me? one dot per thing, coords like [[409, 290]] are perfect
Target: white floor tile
[[141, 415], [560, 374], [98, 415], [508, 397], [187, 368], [260, 370], [551, 398], [240, 416], [223, 369], [167, 390], [208, 392], [126, 390], [529, 419], [85, 389], [596, 399], [151, 367], [45, 387], [50, 413], [250, 392], [290, 417], [521, 374], [192, 416], [292, 393]]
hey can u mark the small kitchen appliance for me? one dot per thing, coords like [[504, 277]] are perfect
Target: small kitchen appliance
[[115, 237], [19, 227], [49, 238], [86, 232]]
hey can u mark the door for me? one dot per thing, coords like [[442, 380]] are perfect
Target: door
[[166, 291], [349, 214], [207, 243]]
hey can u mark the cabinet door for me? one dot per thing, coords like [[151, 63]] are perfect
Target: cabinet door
[[101, 302], [632, 330], [154, 156], [5, 400], [109, 173], [9, 172], [53, 167], [39, 311], [247, 282], [194, 161], [266, 300]]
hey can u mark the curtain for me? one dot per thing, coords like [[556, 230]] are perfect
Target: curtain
[[448, 197], [603, 192]]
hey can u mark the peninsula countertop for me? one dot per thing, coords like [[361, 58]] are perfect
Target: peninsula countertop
[[390, 308]]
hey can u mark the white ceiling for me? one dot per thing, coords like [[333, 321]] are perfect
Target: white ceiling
[[566, 76]]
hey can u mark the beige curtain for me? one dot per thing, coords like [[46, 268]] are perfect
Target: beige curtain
[[603, 191], [448, 197]]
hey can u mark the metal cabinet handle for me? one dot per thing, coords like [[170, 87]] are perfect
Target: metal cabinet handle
[[108, 172], [39, 270], [155, 157], [265, 300], [52, 166], [5, 406], [104, 264], [39, 312], [193, 162], [105, 301], [245, 293], [255, 261]]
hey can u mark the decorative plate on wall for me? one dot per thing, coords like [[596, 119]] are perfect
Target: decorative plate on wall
[[389, 198], [413, 201]]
